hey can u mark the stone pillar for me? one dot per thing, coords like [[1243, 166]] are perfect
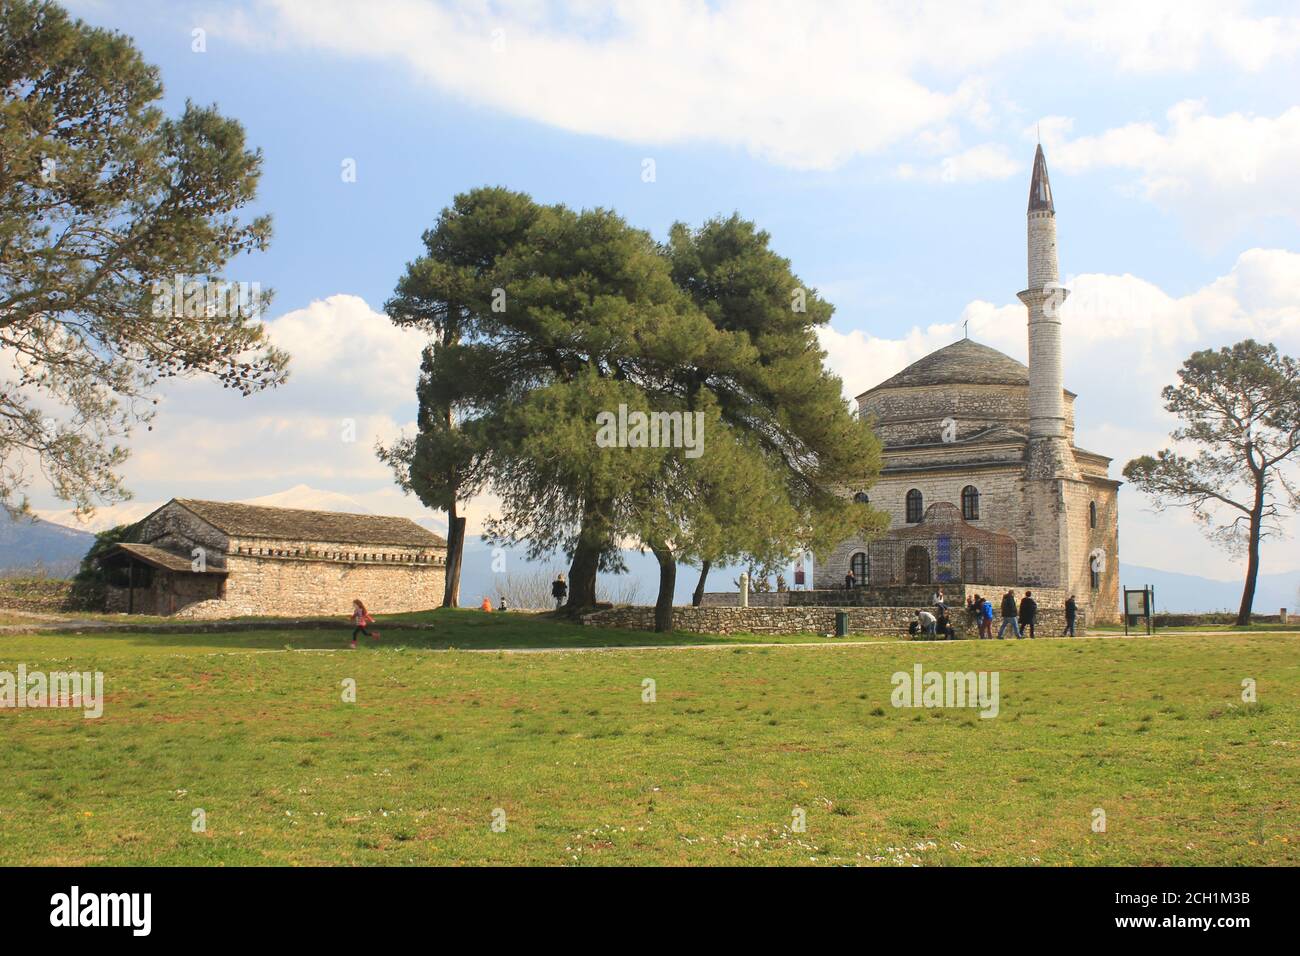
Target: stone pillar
[[744, 589]]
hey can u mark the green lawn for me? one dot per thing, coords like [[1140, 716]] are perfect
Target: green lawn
[[1152, 731], [1199, 629]]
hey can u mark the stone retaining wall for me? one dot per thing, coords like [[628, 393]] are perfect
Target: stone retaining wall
[[43, 594], [756, 599], [795, 620], [900, 595]]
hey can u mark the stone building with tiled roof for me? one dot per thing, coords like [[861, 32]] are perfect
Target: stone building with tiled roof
[[223, 559], [980, 449]]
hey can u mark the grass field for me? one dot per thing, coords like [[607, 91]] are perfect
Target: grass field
[[1152, 731]]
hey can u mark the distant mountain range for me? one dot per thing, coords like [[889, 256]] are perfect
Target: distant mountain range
[[32, 543], [1190, 592], [49, 542]]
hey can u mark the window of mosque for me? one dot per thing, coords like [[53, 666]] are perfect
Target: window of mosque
[[858, 565], [1092, 514], [970, 503], [914, 507]]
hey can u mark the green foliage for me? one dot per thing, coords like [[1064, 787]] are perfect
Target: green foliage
[[89, 582], [782, 393], [446, 292], [104, 202], [544, 318]]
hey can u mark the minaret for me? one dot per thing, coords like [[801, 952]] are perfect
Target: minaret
[[1049, 450]]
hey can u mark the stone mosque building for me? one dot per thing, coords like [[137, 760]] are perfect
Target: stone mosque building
[[980, 475]]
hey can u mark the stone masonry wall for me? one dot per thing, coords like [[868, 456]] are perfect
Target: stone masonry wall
[[289, 586], [167, 594], [176, 529], [919, 596], [906, 416], [795, 620], [756, 599], [1084, 539], [1001, 509]]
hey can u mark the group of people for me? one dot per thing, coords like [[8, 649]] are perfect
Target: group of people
[[1020, 618], [935, 623]]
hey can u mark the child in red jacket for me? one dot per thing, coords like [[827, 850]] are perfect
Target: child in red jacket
[[360, 618]]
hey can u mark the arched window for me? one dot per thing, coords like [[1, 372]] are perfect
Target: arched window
[[1096, 565], [970, 503], [861, 498], [914, 507], [1092, 514], [858, 565]]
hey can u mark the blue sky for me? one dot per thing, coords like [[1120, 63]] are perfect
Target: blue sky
[[886, 150]]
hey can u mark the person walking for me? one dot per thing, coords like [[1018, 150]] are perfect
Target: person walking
[[1071, 611], [1009, 611], [361, 620], [1028, 613], [926, 622], [559, 590]]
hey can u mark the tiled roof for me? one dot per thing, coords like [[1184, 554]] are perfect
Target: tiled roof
[[965, 362], [295, 524], [157, 558]]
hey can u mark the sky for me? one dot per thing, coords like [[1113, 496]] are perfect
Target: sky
[[885, 147]]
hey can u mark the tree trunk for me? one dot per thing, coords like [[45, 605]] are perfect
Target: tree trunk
[[455, 522], [592, 539], [1252, 562], [582, 577], [698, 596], [667, 584], [455, 557]]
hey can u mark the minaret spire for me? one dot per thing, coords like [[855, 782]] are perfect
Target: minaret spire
[[1050, 454], [1040, 187]]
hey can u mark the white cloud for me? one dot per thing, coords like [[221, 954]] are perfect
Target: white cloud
[[1219, 171], [1124, 339], [987, 161], [806, 87]]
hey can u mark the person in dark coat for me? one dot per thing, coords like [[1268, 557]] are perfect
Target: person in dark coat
[[1009, 612], [559, 590], [1071, 611], [1028, 612], [849, 581], [943, 624]]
